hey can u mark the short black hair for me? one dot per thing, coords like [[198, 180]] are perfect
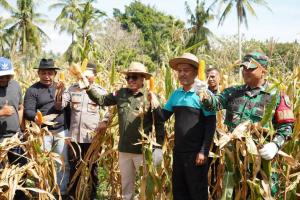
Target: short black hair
[[212, 69], [92, 66]]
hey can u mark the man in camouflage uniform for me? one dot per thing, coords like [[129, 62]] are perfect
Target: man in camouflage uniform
[[85, 120], [249, 102], [133, 113]]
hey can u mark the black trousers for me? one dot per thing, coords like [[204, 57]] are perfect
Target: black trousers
[[74, 161], [188, 180]]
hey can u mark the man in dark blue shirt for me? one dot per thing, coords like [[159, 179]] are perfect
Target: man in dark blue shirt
[[41, 96], [194, 130]]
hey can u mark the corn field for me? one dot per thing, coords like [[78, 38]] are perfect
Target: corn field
[[38, 177]]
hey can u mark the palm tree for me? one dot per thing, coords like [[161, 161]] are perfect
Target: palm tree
[[24, 29], [4, 37], [5, 4], [242, 7], [67, 19], [79, 19], [198, 32]]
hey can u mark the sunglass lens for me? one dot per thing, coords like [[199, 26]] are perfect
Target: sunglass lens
[[134, 78]]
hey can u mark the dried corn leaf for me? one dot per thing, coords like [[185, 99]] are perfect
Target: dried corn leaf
[[240, 131], [289, 159], [224, 139], [251, 147]]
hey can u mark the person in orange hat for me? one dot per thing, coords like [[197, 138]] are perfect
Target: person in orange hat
[[131, 106]]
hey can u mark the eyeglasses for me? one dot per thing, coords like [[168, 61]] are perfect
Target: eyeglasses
[[132, 77]]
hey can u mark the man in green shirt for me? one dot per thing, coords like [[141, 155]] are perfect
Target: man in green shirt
[[134, 112], [249, 102]]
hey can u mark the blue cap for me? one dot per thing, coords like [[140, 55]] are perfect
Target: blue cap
[[6, 67]]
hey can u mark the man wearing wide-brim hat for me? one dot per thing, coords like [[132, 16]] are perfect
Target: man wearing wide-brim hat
[[194, 130], [131, 106], [41, 96]]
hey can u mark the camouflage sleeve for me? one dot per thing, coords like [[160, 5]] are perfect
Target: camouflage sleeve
[[217, 102], [283, 133], [100, 99]]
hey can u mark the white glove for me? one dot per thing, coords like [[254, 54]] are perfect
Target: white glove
[[83, 83], [268, 151], [153, 100], [157, 156], [199, 86]]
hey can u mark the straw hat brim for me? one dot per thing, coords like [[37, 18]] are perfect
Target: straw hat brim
[[176, 61], [145, 74]]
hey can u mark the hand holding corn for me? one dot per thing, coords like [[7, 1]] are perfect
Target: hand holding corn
[[78, 73]]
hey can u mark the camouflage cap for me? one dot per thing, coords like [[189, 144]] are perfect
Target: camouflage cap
[[253, 59]]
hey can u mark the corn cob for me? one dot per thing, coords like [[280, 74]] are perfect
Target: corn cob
[[201, 70], [151, 83], [39, 117]]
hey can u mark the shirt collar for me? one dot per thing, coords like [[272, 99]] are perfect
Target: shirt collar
[[262, 88], [182, 90], [140, 91]]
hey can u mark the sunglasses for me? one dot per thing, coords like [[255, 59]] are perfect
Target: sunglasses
[[5, 77], [132, 77]]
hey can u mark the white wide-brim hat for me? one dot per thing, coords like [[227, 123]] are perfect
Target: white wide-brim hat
[[186, 58], [137, 68]]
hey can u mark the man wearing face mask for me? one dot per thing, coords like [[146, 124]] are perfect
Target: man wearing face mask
[[249, 102], [85, 122], [41, 96], [133, 113]]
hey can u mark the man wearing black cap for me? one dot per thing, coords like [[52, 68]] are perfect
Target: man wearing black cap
[[41, 96], [85, 121]]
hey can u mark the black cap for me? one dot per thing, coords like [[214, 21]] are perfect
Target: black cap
[[91, 66], [46, 64]]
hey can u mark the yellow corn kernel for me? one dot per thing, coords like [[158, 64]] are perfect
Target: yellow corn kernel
[[151, 83], [62, 76], [201, 70], [39, 117], [84, 64]]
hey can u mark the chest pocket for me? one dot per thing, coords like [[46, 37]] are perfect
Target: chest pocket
[[92, 106], [233, 112], [123, 105], [76, 101]]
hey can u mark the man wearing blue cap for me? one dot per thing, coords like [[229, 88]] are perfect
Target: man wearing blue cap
[[11, 111]]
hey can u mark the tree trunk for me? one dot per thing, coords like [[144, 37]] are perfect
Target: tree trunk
[[240, 47]]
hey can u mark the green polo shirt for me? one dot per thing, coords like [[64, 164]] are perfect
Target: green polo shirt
[[133, 115]]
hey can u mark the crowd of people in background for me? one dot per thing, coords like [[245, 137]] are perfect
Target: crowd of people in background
[[194, 105]]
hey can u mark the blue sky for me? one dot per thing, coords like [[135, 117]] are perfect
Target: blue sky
[[282, 23]]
